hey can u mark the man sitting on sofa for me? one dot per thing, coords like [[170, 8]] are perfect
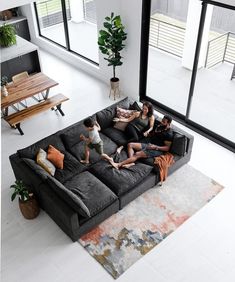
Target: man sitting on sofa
[[160, 142]]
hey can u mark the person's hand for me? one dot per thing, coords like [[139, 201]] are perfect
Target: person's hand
[[82, 137], [146, 133], [116, 119]]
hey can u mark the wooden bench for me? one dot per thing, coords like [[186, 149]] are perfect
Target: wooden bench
[[55, 101]]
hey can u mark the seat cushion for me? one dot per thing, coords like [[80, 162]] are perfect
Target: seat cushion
[[71, 167], [71, 198], [78, 149], [32, 150], [120, 180], [116, 135], [93, 193]]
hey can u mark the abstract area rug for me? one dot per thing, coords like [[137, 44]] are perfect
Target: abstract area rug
[[125, 237]]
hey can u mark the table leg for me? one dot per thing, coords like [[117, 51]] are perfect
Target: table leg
[[47, 94]]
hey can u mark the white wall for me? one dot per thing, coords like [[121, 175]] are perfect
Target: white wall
[[8, 4], [131, 12]]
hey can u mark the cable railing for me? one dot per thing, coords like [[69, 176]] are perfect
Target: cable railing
[[221, 49], [50, 11], [167, 37]]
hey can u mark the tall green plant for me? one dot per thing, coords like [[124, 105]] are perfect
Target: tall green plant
[[20, 190], [7, 35], [111, 39]]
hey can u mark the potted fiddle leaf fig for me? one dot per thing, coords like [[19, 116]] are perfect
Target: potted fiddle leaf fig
[[7, 35], [110, 43], [27, 203]]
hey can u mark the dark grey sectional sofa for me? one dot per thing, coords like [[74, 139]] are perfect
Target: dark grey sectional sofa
[[79, 197]]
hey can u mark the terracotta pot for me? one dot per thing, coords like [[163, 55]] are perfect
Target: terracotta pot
[[30, 208], [114, 83]]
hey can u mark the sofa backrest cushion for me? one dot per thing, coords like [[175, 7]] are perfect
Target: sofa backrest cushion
[[32, 150], [36, 168], [68, 196], [105, 117], [179, 144], [71, 135]]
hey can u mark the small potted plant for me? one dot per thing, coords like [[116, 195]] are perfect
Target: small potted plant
[[27, 203], [7, 35], [110, 43], [4, 81]]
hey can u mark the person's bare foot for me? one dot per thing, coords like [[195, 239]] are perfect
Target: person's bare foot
[[128, 165], [119, 149], [84, 162], [115, 165]]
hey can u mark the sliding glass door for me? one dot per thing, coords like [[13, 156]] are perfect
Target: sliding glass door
[[188, 65], [70, 24]]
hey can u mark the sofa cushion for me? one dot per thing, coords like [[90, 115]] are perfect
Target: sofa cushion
[[93, 193], [36, 168], [116, 135], [71, 167], [68, 196], [179, 144], [135, 107], [71, 135], [120, 180], [105, 117], [44, 162], [78, 149], [55, 156], [32, 150]]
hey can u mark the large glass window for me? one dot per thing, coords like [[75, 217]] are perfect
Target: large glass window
[[191, 64], [71, 24], [213, 104]]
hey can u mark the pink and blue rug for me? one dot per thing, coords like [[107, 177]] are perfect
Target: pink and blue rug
[[125, 237]]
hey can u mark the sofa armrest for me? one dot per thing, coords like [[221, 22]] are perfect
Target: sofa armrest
[[60, 211]]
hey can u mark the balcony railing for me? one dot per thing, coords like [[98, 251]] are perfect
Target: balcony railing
[[167, 37], [50, 11], [221, 49]]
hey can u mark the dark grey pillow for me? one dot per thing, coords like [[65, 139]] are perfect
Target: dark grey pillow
[[37, 168], [135, 106], [71, 198], [179, 144]]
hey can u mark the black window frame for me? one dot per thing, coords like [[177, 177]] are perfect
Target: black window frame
[[183, 119], [66, 33]]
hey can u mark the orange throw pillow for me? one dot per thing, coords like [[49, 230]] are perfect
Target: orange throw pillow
[[56, 157]]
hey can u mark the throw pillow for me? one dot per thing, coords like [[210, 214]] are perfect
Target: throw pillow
[[68, 196], [122, 113], [135, 106], [44, 162], [179, 144], [55, 156]]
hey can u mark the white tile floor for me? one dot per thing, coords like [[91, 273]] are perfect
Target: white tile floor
[[202, 249]]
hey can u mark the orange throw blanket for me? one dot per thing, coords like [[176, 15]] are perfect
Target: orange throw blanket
[[164, 162]]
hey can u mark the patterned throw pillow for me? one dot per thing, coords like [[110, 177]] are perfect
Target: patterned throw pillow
[[44, 162], [55, 156], [122, 113]]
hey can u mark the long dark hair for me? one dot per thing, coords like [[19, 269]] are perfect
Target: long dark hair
[[150, 108]]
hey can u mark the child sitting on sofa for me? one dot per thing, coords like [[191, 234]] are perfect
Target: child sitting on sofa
[[93, 141]]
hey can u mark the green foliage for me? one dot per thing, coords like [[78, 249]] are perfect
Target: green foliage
[[111, 39], [7, 35], [4, 80], [20, 190]]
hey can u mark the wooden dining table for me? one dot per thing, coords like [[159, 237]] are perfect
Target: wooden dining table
[[28, 87]]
